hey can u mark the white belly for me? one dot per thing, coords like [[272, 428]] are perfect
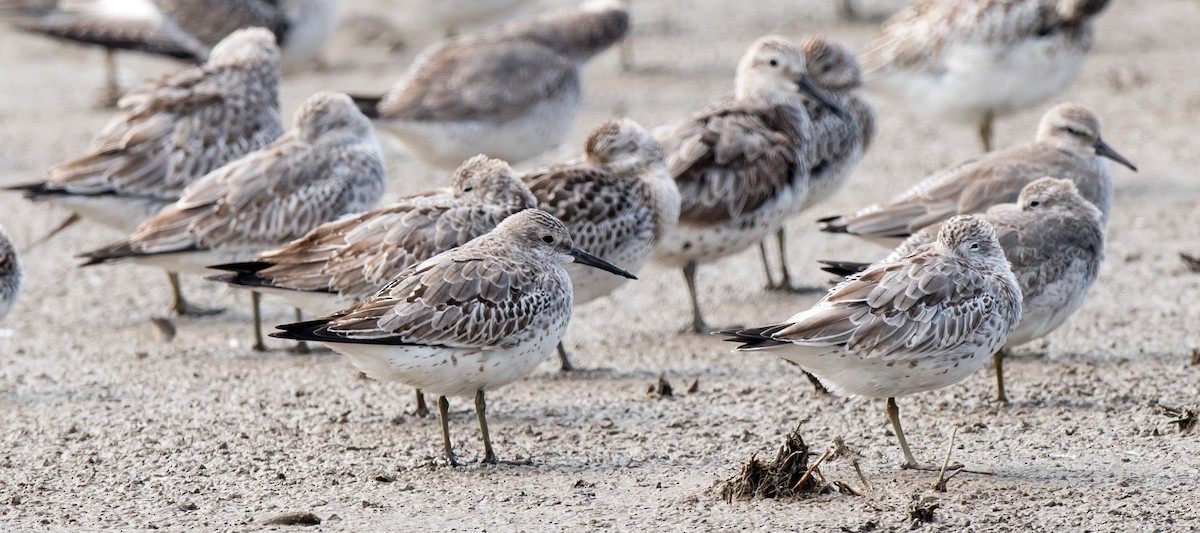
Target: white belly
[[874, 378], [455, 371], [704, 244], [1047, 311], [978, 78]]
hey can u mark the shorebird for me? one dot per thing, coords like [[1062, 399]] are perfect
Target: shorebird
[[510, 92], [740, 163], [343, 262], [1054, 241], [10, 274], [617, 202], [838, 140], [329, 165], [974, 60], [1068, 146], [187, 29], [466, 321], [918, 324], [169, 134]]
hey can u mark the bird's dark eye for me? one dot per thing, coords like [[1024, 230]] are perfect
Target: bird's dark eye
[[974, 246], [773, 63], [826, 68], [468, 189], [1075, 132], [1035, 203], [548, 239]]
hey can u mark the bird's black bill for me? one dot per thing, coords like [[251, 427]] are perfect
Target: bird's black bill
[[806, 84], [1105, 150], [585, 258]]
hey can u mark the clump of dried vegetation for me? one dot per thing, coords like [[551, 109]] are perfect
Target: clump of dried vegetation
[[1185, 417], [789, 475]]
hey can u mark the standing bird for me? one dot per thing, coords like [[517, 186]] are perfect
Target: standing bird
[[187, 29], [1054, 241], [343, 262], [973, 60], [617, 203], [918, 324], [169, 134], [10, 274], [465, 321], [1068, 146], [510, 92], [329, 165], [838, 141], [740, 163]]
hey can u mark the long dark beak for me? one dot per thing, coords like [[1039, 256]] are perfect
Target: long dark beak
[[585, 258], [1107, 151], [806, 84]]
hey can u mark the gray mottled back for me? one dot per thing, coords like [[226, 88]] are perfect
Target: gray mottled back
[[1054, 240], [356, 256], [1065, 147], [494, 291], [175, 130], [328, 167], [498, 74]]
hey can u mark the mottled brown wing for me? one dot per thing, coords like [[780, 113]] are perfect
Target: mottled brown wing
[[896, 311], [271, 196], [968, 188], [456, 300], [170, 134], [358, 255], [728, 160], [479, 80]]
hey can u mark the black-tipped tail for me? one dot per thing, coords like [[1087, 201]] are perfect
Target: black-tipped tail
[[242, 274], [843, 268], [368, 105], [309, 330], [752, 338], [33, 191], [831, 225]]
